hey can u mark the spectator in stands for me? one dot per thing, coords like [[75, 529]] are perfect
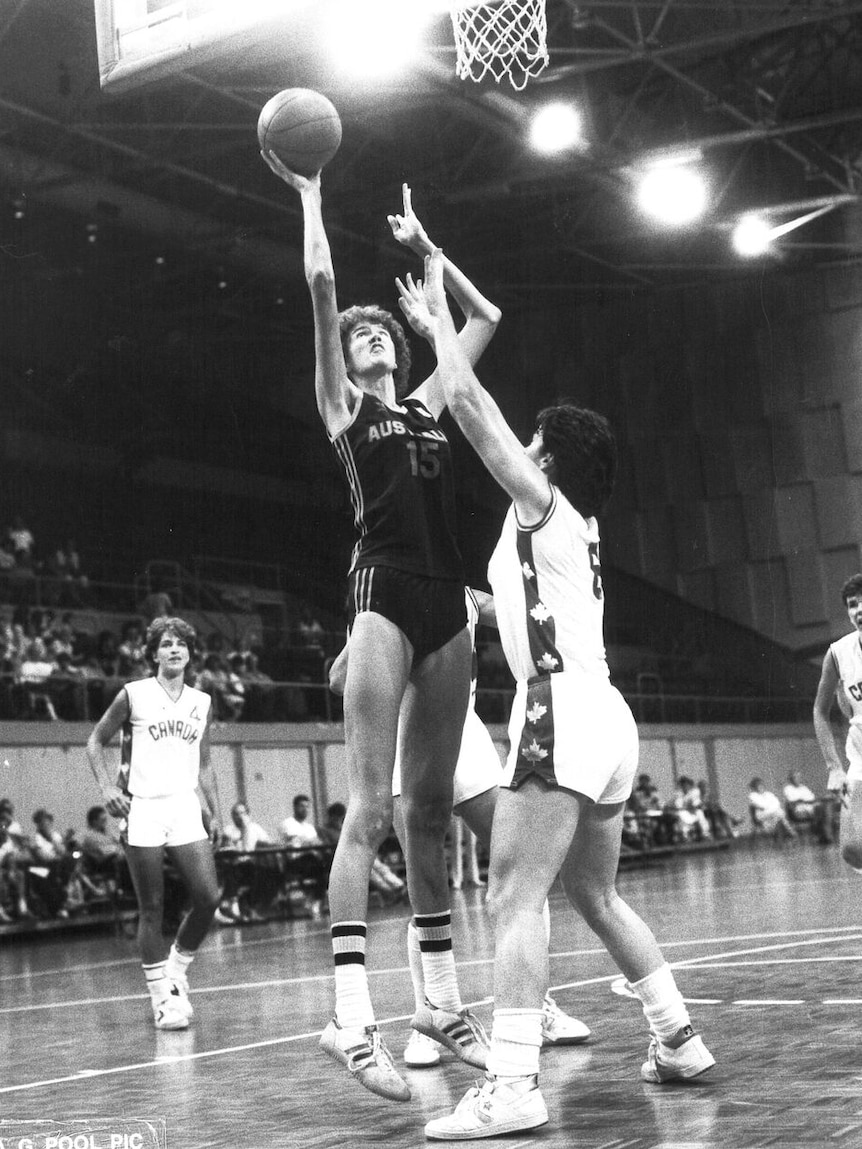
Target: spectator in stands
[[656, 822], [67, 567], [157, 603], [803, 808], [13, 826], [310, 634], [215, 680], [260, 692], [7, 563], [722, 824], [54, 867], [767, 813], [107, 655], [101, 850], [131, 653], [13, 883], [251, 884], [21, 580], [299, 830], [20, 538], [33, 674], [236, 683], [312, 866], [243, 833], [688, 803], [66, 689]]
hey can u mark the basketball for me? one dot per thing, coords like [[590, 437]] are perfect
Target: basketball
[[302, 127]]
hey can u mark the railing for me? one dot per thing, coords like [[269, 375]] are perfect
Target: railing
[[303, 701]]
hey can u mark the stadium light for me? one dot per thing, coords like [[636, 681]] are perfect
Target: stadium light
[[671, 191], [752, 236], [374, 39], [556, 128]]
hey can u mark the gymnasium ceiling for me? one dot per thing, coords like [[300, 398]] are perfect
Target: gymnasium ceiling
[[160, 186]]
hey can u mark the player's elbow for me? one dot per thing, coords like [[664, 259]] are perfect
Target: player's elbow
[[320, 277]]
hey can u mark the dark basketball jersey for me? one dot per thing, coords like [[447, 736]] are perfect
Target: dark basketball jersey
[[398, 466]]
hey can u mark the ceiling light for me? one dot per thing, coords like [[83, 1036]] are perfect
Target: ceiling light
[[555, 127], [673, 194], [752, 236], [374, 39]]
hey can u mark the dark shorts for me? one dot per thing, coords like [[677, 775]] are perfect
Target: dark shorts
[[428, 611]]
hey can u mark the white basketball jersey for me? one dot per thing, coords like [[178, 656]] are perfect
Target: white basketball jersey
[[162, 738], [548, 594], [847, 653]]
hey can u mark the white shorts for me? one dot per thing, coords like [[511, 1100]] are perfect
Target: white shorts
[[479, 768], [576, 732], [173, 820]]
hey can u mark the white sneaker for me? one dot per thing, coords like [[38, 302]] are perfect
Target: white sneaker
[[180, 994], [364, 1053], [421, 1052], [682, 1057], [461, 1032], [170, 1014], [558, 1028], [491, 1108]]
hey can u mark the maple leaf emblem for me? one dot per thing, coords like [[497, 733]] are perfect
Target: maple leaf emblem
[[540, 612], [536, 712], [534, 752], [547, 662]]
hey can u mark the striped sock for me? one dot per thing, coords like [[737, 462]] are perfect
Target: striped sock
[[662, 1002], [157, 980], [434, 932], [414, 960], [516, 1038], [352, 1000]]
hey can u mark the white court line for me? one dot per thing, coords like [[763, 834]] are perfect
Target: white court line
[[768, 1001], [215, 948], [87, 1074]]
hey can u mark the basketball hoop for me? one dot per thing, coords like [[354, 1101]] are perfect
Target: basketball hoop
[[500, 38]]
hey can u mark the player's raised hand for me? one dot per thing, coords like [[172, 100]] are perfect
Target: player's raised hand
[[406, 227], [412, 301], [294, 179]]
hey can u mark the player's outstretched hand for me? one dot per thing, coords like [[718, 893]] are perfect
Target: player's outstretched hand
[[412, 301], [424, 304], [296, 181], [406, 227]]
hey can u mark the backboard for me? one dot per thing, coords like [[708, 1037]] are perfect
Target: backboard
[[143, 40]]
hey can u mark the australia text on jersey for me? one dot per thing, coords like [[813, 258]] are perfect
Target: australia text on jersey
[[387, 427]]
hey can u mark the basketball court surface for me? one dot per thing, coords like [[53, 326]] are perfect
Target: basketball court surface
[[766, 943]]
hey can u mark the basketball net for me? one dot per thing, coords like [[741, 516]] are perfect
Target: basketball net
[[500, 38]]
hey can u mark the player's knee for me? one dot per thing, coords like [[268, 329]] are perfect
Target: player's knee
[[207, 901], [368, 822], [151, 908], [594, 904], [427, 815]]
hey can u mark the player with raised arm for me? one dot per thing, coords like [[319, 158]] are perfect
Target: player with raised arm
[[573, 741], [410, 651]]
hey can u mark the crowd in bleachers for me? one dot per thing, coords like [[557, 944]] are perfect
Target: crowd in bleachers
[[47, 875], [51, 669]]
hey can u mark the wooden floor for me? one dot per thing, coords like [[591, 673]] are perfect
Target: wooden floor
[[766, 943]]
